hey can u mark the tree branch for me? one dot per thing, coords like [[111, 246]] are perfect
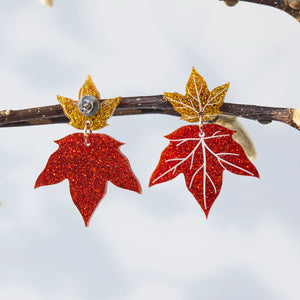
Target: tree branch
[[291, 7], [148, 105]]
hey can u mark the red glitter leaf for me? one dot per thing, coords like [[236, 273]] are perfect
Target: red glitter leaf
[[88, 168], [202, 160]]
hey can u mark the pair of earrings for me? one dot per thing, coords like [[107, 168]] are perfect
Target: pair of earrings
[[201, 152]]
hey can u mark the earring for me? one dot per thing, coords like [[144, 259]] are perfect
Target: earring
[[201, 152], [86, 159]]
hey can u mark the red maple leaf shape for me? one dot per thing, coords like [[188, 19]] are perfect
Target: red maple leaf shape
[[202, 160], [88, 168]]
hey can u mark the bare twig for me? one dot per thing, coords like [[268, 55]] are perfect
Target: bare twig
[[148, 105], [291, 7]]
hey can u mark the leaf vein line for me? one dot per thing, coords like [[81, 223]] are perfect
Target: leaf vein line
[[212, 183], [225, 161], [198, 93], [182, 160], [209, 100], [183, 104]]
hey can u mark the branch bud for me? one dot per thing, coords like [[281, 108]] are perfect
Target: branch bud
[[231, 2], [295, 4], [47, 2]]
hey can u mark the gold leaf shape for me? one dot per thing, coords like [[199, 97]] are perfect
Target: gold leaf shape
[[77, 120], [198, 99]]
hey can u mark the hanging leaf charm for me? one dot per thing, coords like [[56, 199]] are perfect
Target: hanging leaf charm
[[88, 168], [202, 159]]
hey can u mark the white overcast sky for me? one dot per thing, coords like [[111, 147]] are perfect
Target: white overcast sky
[[157, 245]]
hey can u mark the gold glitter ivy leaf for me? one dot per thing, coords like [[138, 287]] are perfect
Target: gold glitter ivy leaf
[[77, 120], [198, 99]]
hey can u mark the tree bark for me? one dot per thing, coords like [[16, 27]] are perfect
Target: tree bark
[[280, 4], [147, 105]]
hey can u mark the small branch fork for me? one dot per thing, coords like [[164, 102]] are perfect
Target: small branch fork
[[291, 7], [148, 105]]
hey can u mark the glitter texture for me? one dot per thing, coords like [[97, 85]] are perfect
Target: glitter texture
[[88, 168], [77, 120], [198, 99], [202, 160]]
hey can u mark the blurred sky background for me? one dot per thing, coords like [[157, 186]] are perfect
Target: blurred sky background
[[157, 245]]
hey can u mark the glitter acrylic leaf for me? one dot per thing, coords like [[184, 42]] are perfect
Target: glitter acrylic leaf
[[77, 120], [198, 99], [88, 168], [202, 159]]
